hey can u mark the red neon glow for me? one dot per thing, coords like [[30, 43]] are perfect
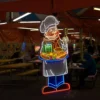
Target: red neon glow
[[55, 91]]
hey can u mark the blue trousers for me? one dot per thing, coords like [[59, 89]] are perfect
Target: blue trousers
[[56, 81]]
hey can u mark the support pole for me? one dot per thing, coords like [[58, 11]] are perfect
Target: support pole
[[65, 31], [90, 39], [96, 44], [81, 45], [9, 16]]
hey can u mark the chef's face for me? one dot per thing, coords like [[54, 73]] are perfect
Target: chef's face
[[52, 33]]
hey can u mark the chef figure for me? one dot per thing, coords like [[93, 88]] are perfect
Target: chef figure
[[54, 53]]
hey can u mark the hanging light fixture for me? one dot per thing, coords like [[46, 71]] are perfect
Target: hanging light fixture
[[22, 16], [96, 8], [29, 22], [3, 23]]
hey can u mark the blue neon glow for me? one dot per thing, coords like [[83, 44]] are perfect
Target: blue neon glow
[[53, 60], [23, 46], [56, 81], [62, 82]]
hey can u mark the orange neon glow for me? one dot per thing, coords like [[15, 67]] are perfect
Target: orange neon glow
[[55, 91]]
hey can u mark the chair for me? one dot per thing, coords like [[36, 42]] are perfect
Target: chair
[[91, 80]]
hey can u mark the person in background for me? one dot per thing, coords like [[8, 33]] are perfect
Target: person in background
[[70, 47], [16, 54], [26, 56], [32, 51], [89, 65]]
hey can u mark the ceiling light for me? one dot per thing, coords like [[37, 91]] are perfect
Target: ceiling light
[[98, 19], [31, 29], [35, 29], [96, 8], [73, 32], [3, 23], [25, 28], [68, 29], [60, 29], [76, 35], [29, 21], [20, 17], [89, 38]]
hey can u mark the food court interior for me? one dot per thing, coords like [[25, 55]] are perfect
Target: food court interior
[[21, 70]]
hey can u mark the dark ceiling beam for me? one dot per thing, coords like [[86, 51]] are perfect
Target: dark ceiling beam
[[94, 18], [82, 11], [89, 18]]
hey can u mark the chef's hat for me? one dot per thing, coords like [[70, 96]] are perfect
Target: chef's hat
[[49, 21]]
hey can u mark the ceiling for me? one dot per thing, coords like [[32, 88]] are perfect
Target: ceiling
[[45, 6], [78, 15]]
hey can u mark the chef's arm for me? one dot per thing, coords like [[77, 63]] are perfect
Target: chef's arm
[[41, 49], [64, 46]]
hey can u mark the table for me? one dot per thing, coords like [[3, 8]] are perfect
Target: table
[[6, 60], [75, 67], [74, 73], [36, 61], [18, 65]]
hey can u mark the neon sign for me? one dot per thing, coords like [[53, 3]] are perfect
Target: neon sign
[[54, 54]]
